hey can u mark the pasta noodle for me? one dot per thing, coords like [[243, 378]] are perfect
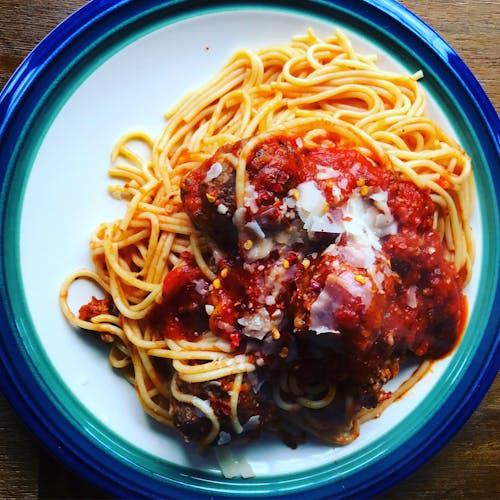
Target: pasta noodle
[[318, 91]]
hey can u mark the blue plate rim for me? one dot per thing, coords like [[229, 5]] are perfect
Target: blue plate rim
[[99, 16]]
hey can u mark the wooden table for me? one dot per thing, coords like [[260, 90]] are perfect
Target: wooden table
[[468, 467]]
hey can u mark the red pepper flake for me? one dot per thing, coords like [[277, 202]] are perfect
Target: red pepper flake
[[315, 285], [235, 339], [422, 348]]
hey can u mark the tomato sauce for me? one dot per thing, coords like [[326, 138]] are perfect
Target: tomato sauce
[[182, 313], [427, 313], [372, 290], [332, 272]]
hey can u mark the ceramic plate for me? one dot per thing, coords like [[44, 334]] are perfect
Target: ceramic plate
[[118, 66]]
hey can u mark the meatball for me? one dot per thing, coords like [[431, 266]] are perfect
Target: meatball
[[254, 410], [344, 301], [426, 317], [208, 194], [274, 167], [189, 421]]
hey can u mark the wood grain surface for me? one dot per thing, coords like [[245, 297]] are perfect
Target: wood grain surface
[[468, 467]]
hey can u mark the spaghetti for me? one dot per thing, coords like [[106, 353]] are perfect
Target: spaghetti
[[286, 202]]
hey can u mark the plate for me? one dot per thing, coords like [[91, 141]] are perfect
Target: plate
[[117, 66]]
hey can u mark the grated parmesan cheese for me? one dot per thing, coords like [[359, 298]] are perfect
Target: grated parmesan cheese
[[213, 172], [230, 466]]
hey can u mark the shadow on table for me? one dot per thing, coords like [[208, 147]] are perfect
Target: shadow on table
[[57, 482]]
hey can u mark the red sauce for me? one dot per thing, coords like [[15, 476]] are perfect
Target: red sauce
[[332, 271], [432, 325], [182, 313], [352, 170], [94, 308], [415, 305]]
